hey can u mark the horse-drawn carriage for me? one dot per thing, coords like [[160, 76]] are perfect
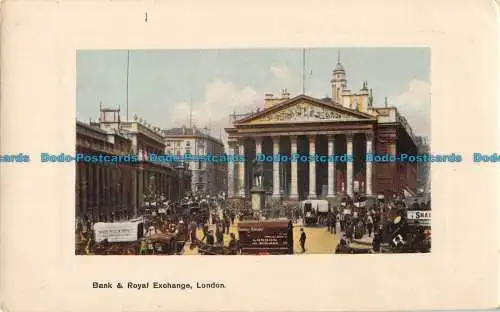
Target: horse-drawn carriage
[[270, 237], [161, 244], [116, 248]]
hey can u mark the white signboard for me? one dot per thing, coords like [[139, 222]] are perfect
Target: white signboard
[[347, 211], [162, 210], [423, 217], [116, 232]]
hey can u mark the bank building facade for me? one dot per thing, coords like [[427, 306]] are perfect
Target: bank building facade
[[347, 123]]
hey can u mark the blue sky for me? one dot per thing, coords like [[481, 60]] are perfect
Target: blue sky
[[162, 83]]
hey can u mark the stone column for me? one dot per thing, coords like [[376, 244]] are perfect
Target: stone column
[[258, 150], [349, 171], [241, 169], [294, 193], [276, 167], [84, 187], [230, 171], [331, 166], [98, 200], [140, 190], [258, 145], [133, 186], [312, 167], [369, 150]]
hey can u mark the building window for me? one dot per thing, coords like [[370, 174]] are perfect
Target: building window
[[188, 144], [178, 143], [169, 143], [188, 151]]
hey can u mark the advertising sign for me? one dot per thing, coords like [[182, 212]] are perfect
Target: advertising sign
[[420, 216], [117, 232]]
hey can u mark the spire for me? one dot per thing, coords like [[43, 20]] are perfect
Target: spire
[[339, 67], [386, 105]]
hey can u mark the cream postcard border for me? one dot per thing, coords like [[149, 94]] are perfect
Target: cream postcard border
[[39, 270]]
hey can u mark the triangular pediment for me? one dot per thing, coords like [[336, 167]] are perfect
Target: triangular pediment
[[303, 109]]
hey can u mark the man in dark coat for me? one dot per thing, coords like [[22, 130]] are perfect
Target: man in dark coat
[[233, 245], [219, 234], [205, 231], [329, 222], [303, 238], [290, 237], [210, 238]]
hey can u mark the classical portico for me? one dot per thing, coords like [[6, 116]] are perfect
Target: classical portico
[[304, 134]]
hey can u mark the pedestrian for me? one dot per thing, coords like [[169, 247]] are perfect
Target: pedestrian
[[210, 238], [193, 232], [223, 224], [334, 220], [205, 231], [227, 223], [232, 217], [377, 241], [180, 236], [303, 238], [369, 224], [233, 244], [342, 222], [290, 237], [143, 248], [329, 222], [219, 234]]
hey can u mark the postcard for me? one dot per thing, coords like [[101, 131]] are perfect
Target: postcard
[[326, 155]]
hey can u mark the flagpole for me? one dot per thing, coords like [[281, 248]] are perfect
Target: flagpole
[[128, 73], [304, 71]]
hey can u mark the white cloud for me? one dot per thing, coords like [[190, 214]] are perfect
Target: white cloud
[[281, 73], [415, 105], [283, 77], [220, 100]]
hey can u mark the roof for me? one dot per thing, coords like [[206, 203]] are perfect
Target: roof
[[182, 132], [90, 127], [307, 98]]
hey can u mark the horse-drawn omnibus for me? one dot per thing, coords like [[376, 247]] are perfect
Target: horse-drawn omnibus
[[266, 237]]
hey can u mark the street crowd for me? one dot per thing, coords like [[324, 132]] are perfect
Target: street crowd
[[204, 222]]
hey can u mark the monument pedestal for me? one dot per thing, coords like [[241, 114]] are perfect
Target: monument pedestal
[[258, 202]]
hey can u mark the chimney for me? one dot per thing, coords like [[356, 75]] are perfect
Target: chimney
[[268, 98], [285, 95]]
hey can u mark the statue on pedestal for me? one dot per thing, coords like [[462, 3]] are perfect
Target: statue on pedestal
[[258, 172]]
